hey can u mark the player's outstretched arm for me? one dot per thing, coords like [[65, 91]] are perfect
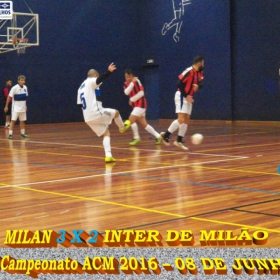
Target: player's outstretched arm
[[111, 68]]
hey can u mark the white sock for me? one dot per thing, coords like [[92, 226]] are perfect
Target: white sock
[[22, 131], [182, 129], [174, 126], [107, 146], [6, 124], [119, 122], [134, 128], [152, 131], [10, 132]]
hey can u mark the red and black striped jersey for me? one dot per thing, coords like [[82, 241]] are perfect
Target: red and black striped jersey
[[186, 80], [5, 92], [142, 101]]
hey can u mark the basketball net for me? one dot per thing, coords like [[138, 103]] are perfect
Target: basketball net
[[19, 45], [21, 50]]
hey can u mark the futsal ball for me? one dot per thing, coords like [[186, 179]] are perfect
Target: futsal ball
[[197, 138]]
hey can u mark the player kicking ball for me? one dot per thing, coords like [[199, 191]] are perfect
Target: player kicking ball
[[134, 89], [97, 117]]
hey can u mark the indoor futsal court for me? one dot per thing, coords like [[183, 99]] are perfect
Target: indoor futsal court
[[57, 179], [230, 181]]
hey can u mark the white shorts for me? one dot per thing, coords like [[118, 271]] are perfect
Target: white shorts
[[19, 115], [182, 106], [138, 112], [100, 125]]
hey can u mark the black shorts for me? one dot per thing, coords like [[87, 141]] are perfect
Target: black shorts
[[9, 109]]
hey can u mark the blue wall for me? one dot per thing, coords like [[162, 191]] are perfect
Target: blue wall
[[73, 39], [205, 31], [239, 39], [256, 58]]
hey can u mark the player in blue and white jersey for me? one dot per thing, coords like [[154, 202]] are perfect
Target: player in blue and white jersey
[[19, 95], [95, 116]]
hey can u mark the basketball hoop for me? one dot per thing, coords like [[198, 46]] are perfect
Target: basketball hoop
[[20, 44]]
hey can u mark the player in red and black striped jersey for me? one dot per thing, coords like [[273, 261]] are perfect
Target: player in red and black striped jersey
[[189, 82], [5, 92], [134, 89]]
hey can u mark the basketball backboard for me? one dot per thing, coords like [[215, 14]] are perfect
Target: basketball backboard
[[21, 27]]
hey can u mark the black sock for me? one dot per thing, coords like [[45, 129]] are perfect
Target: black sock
[[167, 134], [179, 139]]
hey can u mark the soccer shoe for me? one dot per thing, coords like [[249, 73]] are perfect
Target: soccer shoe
[[10, 136], [165, 140], [126, 126], [159, 140], [109, 159], [25, 135], [180, 145], [134, 142]]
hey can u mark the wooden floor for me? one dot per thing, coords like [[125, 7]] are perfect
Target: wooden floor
[[57, 180]]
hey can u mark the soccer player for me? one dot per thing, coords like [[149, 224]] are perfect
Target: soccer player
[[5, 92], [189, 82], [97, 117], [134, 89], [19, 95]]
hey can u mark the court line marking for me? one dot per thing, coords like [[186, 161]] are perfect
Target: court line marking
[[149, 210], [144, 209], [241, 147], [4, 186], [98, 200], [205, 184], [117, 148], [239, 170], [257, 203], [40, 217], [234, 134], [204, 214], [18, 214], [127, 172], [254, 212], [83, 156]]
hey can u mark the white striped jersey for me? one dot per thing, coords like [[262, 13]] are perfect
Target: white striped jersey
[[89, 96], [19, 95]]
